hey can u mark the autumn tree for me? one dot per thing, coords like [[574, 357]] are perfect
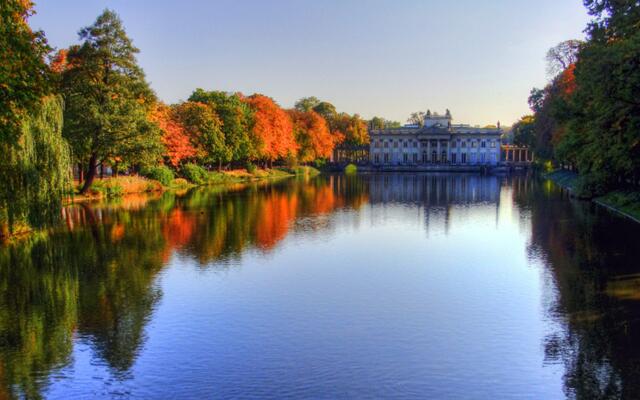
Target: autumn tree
[[107, 99], [561, 56], [204, 128], [24, 75], [350, 129], [175, 138], [272, 128], [312, 135]]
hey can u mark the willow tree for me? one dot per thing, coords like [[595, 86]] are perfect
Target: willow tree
[[35, 173], [108, 99]]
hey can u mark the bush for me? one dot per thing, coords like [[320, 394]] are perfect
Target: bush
[[195, 173], [320, 163], [350, 169], [162, 174], [180, 183], [251, 168], [107, 187]]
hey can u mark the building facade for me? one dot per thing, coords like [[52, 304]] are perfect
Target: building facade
[[437, 141]]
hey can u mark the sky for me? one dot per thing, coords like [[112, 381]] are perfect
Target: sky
[[386, 58]]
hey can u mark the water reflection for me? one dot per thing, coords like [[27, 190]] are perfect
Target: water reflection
[[94, 280], [592, 258]]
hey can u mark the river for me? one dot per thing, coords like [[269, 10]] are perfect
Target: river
[[447, 286]]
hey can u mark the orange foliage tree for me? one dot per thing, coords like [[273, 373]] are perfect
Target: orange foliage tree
[[174, 135], [351, 129], [312, 135], [272, 127]]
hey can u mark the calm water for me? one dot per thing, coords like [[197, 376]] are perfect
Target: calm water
[[380, 286]]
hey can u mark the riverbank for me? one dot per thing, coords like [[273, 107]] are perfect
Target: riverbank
[[136, 184], [623, 202]]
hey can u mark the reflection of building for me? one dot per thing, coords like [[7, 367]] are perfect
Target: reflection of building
[[436, 142], [434, 189]]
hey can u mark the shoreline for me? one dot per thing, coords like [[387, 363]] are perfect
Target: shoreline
[[231, 177], [625, 204]]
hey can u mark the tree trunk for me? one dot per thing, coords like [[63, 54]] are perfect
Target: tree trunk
[[80, 173], [219, 165], [115, 169], [101, 170], [91, 173]]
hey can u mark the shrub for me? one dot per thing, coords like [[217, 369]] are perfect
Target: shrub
[[107, 187], [195, 173], [180, 182], [251, 167], [350, 169], [162, 174]]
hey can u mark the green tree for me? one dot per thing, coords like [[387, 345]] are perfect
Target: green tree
[[35, 174], [205, 130], [237, 120], [524, 132], [306, 103], [108, 99]]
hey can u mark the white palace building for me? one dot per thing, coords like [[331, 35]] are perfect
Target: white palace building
[[437, 141]]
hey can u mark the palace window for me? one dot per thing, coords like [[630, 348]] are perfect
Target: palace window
[[444, 157], [415, 158], [415, 143], [405, 158], [386, 157], [405, 144], [434, 156], [453, 157], [395, 144], [493, 143], [376, 158], [453, 144], [483, 144], [386, 145], [463, 158], [474, 143], [464, 143]]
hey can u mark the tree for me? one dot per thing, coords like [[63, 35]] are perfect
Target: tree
[[107, 99], [561, 56], [204, 128], [24, 75], [175, 138], [35, 174], [312, 135], [524, 131], [377, 123], [417, 118], [272, 127], [327, 111], [237, 121], [350, 129], [307, 103]]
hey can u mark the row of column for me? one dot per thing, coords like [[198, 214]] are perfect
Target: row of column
[[516, 155]]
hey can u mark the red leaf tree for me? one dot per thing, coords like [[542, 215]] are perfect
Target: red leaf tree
[[174, 135], [272, 127]]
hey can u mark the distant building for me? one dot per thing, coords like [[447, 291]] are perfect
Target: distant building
[[437, 141]]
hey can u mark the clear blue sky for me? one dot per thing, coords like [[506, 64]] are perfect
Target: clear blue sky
[[385, 58]]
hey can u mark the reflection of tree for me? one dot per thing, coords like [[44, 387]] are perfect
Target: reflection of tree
[[37, 314], [95, 279], [592, 258], [95, 276]]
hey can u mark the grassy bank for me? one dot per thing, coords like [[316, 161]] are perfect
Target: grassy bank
[[623, 202], [125, 185]]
